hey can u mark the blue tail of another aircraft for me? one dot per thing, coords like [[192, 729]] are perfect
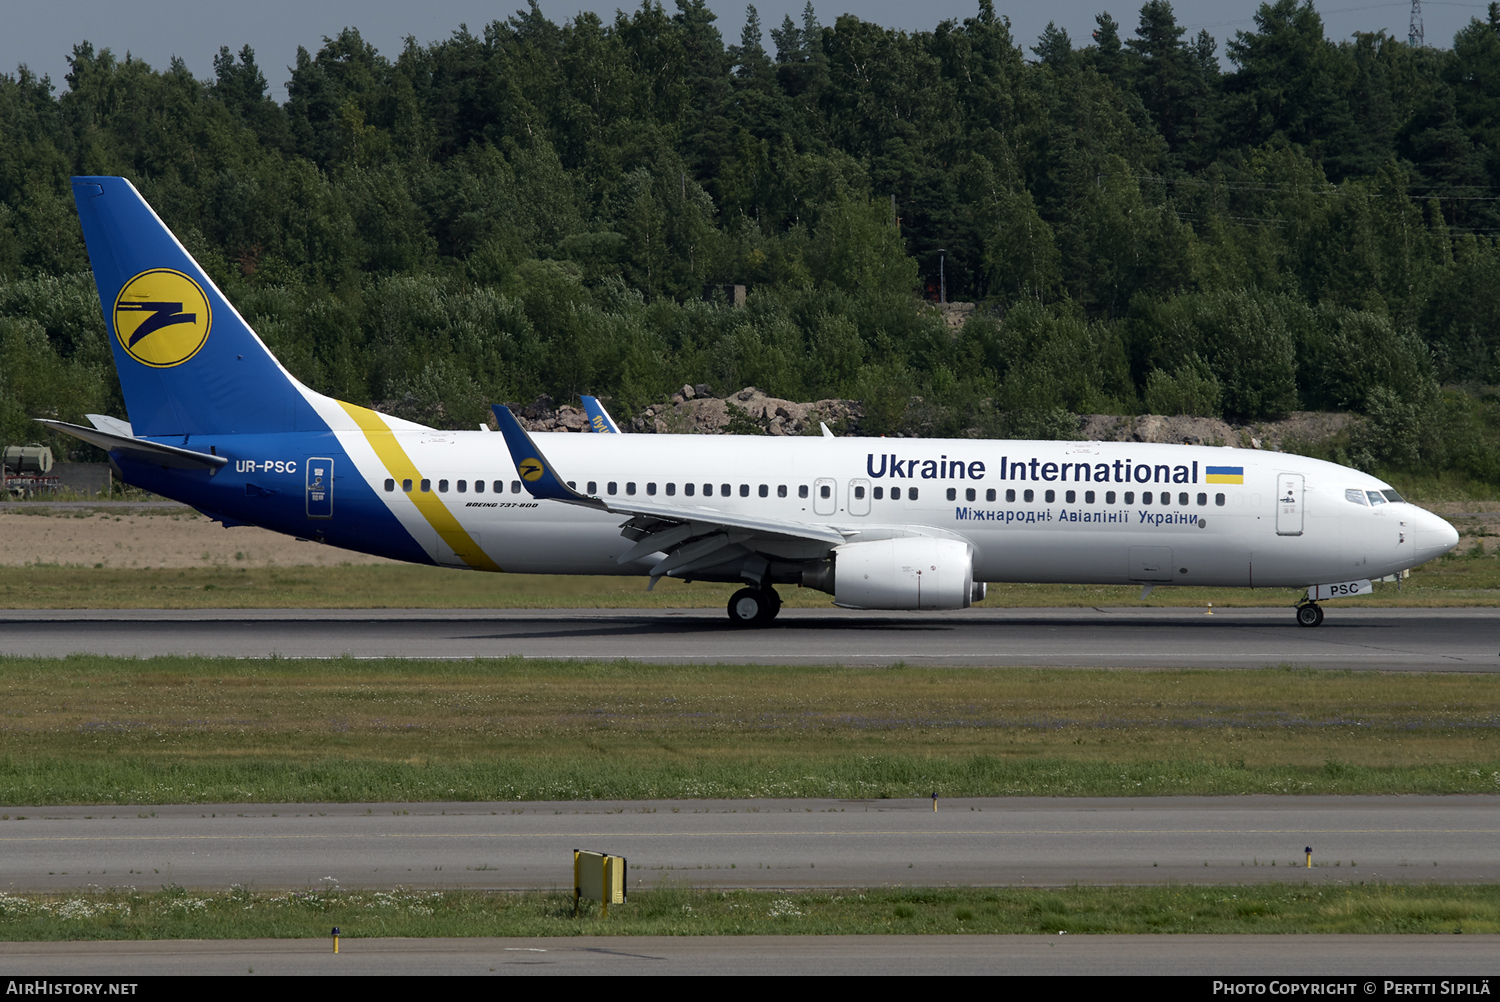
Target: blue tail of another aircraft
[[599, 419], [188, 362]]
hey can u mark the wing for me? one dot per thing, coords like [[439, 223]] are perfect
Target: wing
[[694, 537]]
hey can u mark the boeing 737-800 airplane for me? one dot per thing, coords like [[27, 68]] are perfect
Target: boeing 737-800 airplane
[[217, 422]]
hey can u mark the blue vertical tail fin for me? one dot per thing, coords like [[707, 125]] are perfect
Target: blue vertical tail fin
[[599, 419], [188, 362]]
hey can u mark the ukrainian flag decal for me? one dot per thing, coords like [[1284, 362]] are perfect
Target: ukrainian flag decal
[[1224, 474]]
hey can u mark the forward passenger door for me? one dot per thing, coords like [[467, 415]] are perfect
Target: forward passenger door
[[1289, 504]]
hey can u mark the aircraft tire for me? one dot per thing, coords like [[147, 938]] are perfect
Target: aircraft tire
[[750, 607], [1310, 614], [775, 608]]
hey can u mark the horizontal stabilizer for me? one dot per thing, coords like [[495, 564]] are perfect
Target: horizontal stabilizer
[[112, 425], [140, 449]]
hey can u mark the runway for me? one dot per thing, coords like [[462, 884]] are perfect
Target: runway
[[1463, 640], [1206, 957], [764, 843]]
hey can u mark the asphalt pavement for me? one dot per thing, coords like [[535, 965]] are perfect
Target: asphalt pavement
[[759, 843], [1351, 637]]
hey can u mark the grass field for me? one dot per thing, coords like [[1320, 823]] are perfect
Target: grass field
[[1452, 581], [194, 730], [238, 913]]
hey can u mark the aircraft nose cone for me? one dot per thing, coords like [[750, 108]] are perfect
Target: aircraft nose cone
[[1434, 537]]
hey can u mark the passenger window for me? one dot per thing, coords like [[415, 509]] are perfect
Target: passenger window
[[1010, 495], [671, 490], [895, 494], [1070, 497], [572, 485], [650, 490], [1358, 497], [1130, 497], [1145, 497], [593, 487], [479, 487], [1028, 495], [630, 487], [781, 490], [515, 486], [1109, 497], [708, 490], [426, 486], [1202, 500], [724, 490], [689, 489], [463, 486], [1050, 496], [859, 493], [498, 486], [801, 490], [969, 494], [879, 493], [1088, 497], [744, 490], [1219, 500], [612, 487], [953, 494], [442, 487], [390, 485], [911, 494], [765, 491], [406, 486], [825, 492], [1182, 499], [989, 495], [1166, 498]]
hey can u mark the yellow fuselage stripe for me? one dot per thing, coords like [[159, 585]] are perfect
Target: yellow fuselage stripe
[[399, 465]]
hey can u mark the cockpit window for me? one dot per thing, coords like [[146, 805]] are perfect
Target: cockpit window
[[1376, 497], [1358, 497], [1393, 496]]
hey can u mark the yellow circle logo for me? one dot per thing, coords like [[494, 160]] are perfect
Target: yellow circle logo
[[162, 318], [531, 469]]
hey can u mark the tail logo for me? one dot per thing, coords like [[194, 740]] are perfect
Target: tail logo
[[531, 469], [162, 318]]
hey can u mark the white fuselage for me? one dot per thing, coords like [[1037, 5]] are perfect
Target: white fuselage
[[1246, 534]]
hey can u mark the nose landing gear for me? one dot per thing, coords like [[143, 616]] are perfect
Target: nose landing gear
[[754, 606], [1309, 614]]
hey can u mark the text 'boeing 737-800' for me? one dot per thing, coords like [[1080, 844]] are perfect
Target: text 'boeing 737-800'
[[217, 422]]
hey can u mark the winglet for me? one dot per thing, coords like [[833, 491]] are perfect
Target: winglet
[[826, 432], [537, 474], [599, 419]]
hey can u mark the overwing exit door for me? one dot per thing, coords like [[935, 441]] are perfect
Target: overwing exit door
[[1288, 504], [824, 503]]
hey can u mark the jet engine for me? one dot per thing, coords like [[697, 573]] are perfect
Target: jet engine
[[909, 573]]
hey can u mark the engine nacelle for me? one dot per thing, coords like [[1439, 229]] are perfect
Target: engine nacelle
[[910, 573]]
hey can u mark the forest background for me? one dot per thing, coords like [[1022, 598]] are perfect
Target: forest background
[[537, 208]]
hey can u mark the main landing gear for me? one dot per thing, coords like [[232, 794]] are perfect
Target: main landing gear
[[1309, 614], [754, 606]]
